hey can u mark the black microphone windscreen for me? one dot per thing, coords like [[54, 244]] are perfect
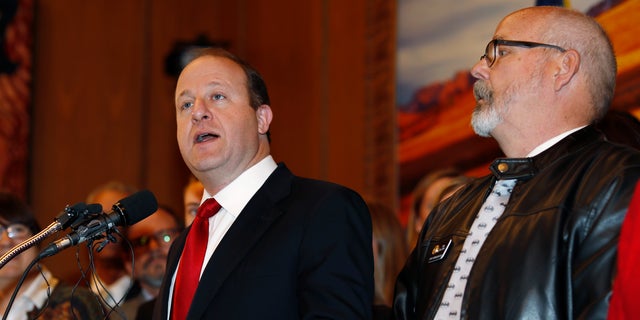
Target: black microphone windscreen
[[137, 206], [94, 208]]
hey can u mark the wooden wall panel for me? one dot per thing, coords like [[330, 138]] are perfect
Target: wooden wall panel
[[286, 48], [167, 24], [380, 132], [345, 93], [87, 104]]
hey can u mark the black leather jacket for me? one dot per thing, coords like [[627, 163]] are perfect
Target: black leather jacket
[[551, 255]]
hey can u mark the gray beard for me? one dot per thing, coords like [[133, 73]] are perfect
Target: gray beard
[[484, 119]]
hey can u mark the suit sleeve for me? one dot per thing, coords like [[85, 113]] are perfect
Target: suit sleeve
[[336, 265]]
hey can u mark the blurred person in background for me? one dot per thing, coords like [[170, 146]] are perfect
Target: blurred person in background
[[430, 190], [192, 196], [111, 280], [389, 255], [150, 240]]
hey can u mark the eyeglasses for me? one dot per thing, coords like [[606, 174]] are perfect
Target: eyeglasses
[[162, 238], [15, 231], [491, 51]]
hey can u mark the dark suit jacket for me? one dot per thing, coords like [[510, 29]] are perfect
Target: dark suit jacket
[[145, 310], [301, 248]]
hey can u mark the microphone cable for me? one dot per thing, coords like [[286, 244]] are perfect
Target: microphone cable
[[19, 284]]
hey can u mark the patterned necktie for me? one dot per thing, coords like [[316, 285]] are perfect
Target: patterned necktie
[[192, 258], [491, 210]]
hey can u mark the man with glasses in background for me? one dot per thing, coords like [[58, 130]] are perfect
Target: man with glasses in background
[[537, 238], [150, 241]]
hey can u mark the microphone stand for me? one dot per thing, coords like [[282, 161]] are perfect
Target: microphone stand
[[26, 244]]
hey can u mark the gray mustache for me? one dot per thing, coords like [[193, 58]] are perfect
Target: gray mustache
[[482, 91]]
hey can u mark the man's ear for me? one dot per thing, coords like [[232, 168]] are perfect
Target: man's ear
[[264, 115], [567, 69]]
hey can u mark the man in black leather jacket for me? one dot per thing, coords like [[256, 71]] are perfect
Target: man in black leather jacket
[[547, 76]]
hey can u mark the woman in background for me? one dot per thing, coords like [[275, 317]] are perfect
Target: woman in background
[[389, 255], [42, 295], [433, 188]]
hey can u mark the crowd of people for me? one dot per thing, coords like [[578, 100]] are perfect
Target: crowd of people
[[548, 234]]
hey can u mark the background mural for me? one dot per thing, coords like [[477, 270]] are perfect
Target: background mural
[[437, 45], [16, 17]]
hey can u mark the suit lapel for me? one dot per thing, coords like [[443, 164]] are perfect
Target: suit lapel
[[254, 220]]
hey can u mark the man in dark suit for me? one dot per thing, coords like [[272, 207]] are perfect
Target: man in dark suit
[[278, 246]]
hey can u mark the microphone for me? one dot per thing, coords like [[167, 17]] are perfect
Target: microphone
[[71, 215], [74, 215], [125, 212]]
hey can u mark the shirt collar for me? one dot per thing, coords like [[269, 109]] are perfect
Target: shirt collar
[[547, 144], [235, 196]]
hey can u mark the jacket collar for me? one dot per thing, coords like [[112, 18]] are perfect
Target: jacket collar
[[525, 168]]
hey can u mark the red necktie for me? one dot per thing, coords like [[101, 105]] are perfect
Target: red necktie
[[192, 258]]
